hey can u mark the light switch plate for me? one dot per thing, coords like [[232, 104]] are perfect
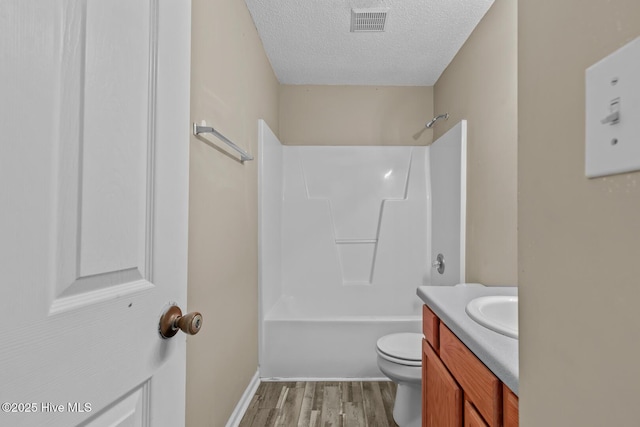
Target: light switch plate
[[613, 84]]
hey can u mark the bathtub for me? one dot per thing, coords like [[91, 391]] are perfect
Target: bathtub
[[320, 338]]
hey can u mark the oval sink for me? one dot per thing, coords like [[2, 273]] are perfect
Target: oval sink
[[498, 313]]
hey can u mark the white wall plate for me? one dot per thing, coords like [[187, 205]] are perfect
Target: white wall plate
[[613, 86]]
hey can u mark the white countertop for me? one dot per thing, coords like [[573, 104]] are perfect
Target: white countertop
[[498, 352]]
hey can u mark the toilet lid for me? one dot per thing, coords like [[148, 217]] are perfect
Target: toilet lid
[[405, 346]]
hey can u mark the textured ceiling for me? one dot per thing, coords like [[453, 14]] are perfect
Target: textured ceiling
[[309, 42]]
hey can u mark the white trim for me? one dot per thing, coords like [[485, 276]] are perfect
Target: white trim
[[260, 167], [463, 202], [245, 400], [310, 379]]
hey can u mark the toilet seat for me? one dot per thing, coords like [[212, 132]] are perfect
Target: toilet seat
[[403, 348], [397, 361]]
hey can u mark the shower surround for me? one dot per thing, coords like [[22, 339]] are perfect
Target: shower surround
[[344, 237]]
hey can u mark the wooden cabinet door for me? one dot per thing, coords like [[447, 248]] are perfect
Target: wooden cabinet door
[[471, 417], [424, 383], [443, 397], [481, 386], [431, 328], [510, 408]]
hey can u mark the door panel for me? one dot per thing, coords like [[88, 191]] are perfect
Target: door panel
[[117, 112], [107, 145], [93, 225], [130, 411]]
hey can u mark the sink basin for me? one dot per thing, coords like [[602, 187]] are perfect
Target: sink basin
[[498, 313]]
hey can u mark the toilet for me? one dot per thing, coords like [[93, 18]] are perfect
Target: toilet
[[400, 359]]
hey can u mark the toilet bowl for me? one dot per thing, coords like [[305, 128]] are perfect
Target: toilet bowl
[[400, 359]]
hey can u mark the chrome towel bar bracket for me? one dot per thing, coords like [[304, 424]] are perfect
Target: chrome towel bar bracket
[[197, 130]]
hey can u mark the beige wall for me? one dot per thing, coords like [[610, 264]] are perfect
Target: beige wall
[[579, 238], [480, 85], [232, 85], [355, 115]]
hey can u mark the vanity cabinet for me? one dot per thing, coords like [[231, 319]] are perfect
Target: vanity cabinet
[[458, 389]]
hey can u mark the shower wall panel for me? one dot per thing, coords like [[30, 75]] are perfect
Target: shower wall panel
[[270, 171], [354, 216], [344, 242], [345, 238]]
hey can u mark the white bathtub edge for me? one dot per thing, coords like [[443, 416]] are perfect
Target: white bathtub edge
[[245, 400]]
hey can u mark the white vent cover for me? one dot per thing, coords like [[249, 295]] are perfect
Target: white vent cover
[[363, 20]]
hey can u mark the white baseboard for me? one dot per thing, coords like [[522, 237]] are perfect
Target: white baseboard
[[245, 400], [309, 379]]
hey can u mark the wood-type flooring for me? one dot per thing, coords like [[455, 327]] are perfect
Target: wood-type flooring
[[322, 404]]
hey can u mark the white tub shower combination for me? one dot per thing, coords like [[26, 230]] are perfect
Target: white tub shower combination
[[344, 240]]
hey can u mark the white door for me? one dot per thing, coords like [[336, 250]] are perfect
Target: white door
[[94, 131], [449, 204]]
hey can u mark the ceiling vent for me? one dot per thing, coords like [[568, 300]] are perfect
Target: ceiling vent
[[368, 20]]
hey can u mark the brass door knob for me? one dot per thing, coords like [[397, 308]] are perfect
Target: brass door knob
[[172, 320]]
